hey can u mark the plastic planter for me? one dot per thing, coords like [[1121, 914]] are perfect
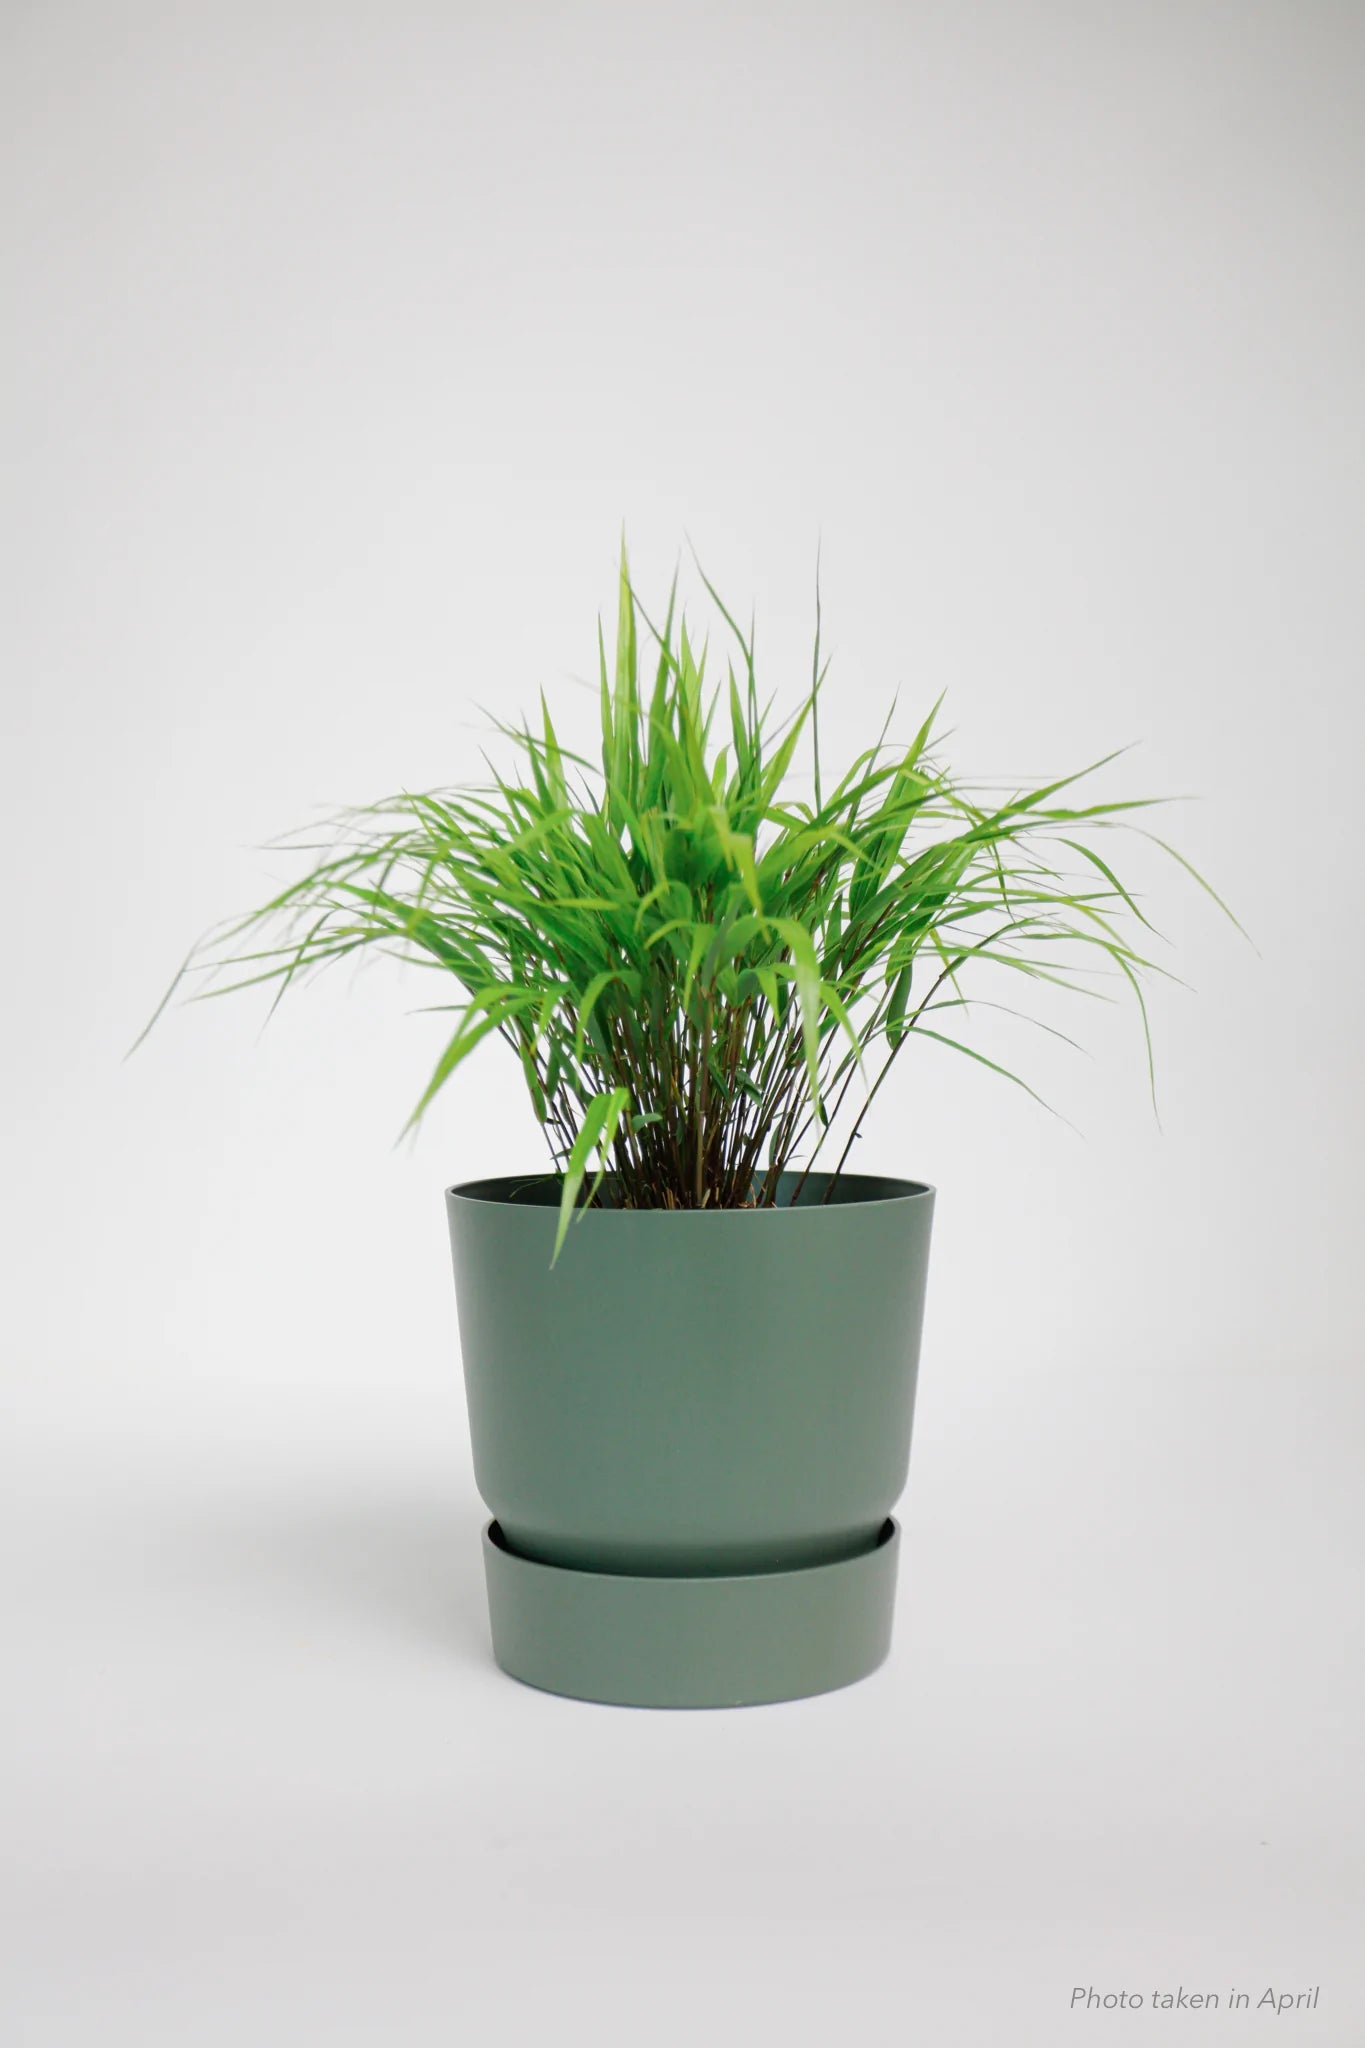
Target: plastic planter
[[690, 1434]]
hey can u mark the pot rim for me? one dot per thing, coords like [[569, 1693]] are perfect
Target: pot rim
[[854, 1191]]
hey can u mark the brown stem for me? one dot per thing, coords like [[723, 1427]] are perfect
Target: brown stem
[[703, 1090]]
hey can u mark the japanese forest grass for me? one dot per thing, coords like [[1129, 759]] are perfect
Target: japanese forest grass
[[706, 978]]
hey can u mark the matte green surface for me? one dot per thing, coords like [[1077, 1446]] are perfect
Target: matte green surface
[[688, 1395], [698, 1642]]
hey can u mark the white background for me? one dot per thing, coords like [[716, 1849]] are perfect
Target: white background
[[339, 344]]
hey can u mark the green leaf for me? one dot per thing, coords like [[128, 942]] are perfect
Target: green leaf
[[595, 989], [598, 1128], [807, 977], [900, 996], [738, 849], [923, 1031]]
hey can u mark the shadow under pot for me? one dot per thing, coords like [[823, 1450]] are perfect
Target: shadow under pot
[[690, 1433]]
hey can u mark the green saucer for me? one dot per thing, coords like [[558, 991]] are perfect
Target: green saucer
[[691, 1642]]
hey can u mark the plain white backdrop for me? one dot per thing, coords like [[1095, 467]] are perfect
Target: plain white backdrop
[[339, 344]]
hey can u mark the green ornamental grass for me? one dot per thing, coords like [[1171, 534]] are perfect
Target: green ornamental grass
[[706, 980]]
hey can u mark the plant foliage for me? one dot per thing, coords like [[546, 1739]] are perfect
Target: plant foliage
[[703, 977]]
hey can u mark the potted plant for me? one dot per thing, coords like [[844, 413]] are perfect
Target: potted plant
[[690, 1349]]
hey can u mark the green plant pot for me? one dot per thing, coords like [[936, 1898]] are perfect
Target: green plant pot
[[690, 1434]]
